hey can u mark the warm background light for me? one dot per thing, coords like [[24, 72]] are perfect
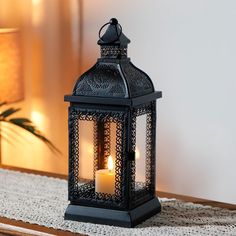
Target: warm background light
[[51, 48], [40, 120], [11, 76]]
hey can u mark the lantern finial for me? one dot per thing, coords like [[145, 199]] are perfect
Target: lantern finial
[[113, 21], [113, 35]]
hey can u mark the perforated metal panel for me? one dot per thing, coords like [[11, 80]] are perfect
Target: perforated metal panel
[[83, 191], [128, 193], [143, 191]]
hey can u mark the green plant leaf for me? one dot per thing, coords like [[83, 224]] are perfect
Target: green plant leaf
[[25, 124], [2, 103], [28, 125], [8, 112]]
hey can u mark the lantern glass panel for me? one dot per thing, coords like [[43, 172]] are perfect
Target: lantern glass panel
[[86, 150], [140, 152], [113, 140], [143, 143], [95, 136]]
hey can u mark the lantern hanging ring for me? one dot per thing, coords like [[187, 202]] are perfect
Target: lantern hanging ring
[[113, 21]]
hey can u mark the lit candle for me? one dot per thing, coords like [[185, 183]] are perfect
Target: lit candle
[[105, 179]]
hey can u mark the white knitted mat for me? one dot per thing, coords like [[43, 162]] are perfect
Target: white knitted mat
[[42, 200]]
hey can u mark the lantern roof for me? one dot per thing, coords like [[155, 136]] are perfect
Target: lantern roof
[[113, 76]]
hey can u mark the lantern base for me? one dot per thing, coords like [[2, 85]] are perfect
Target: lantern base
[[105, 216]]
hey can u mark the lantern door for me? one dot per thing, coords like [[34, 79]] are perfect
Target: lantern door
[[97, 151]]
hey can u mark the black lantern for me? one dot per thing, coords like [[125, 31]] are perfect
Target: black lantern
[[106, 103]]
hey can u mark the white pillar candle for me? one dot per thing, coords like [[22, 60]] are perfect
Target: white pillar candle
[[105, 179]]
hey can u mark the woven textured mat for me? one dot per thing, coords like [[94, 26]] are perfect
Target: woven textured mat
[[42, 200]]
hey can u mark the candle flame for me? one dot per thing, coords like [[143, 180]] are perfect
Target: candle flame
[[110, 163]]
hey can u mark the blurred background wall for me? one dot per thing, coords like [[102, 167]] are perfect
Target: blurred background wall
[[51, 41], [188, 49]]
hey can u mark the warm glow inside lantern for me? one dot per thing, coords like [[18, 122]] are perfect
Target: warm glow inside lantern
[[112, 130]]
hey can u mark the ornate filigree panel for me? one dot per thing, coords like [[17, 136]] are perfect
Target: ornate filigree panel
[[139, 83], [107, 141], [117, 78], [84, 193], [141, 192], [101, 80], [113, 51]]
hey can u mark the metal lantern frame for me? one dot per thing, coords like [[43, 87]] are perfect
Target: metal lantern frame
[[113, 91]]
